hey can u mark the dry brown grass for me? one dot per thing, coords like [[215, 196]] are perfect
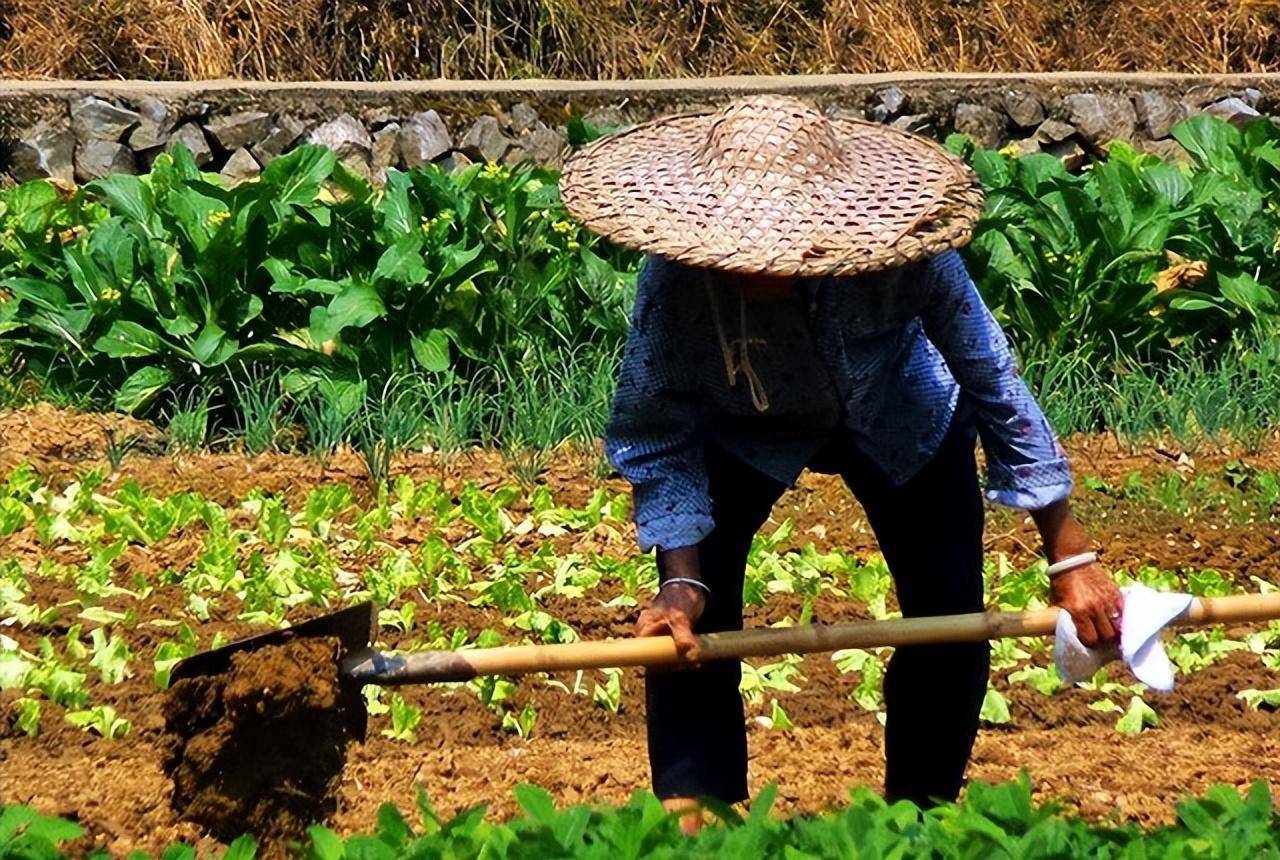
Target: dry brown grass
[[396, 39]]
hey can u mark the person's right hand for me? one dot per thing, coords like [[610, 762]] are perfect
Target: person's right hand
[[673, 613]]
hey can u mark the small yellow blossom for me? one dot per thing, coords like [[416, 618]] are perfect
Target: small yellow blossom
[[218, 217], [1009, 150], [562, 227], [110, 294], [493, 170], [573, 245]]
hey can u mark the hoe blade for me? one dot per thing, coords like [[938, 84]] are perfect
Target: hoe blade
[[353, 627]]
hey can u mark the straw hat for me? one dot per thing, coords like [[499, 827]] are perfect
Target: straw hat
[[771, 184]]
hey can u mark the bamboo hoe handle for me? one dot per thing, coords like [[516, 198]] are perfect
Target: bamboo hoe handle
[[372, 667]]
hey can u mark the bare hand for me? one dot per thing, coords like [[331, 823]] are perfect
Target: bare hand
[[1095, 603], [673, 613]]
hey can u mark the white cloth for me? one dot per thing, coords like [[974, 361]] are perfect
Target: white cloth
[[1146, 613]]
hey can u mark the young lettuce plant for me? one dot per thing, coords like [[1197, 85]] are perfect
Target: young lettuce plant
[[521, 723], [609, 694], [111, 657], [404, 720], [26, 716], [101, 719]]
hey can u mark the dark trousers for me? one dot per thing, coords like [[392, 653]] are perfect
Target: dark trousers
[[930, 532]]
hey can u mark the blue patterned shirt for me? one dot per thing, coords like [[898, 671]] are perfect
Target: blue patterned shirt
[[882, 361]]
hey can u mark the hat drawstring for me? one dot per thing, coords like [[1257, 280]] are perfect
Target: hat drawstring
[[737, 353]]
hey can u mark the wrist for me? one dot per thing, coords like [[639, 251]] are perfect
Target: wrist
[[683, 585], [1063, 537], [1066, 552], [1070, 564]]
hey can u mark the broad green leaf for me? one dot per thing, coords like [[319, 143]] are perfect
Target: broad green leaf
[[212, 347], [1244, 291], [299, 175], [995, 709], [243, 848], [403, 262], [536, 803], [325, 844], [368, 848], [141, 388], [392, 828], [356, 306], [19, 820], [432, 350], [399, 215], [128, 340], [128, 195], [1211, 141]]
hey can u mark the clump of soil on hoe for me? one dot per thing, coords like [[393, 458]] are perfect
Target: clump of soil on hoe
[[259, 748]]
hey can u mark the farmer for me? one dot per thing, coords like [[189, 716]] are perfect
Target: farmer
[[803, 306]]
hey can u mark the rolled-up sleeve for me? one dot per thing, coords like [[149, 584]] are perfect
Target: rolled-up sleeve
[[655, 433], [1026, 466]]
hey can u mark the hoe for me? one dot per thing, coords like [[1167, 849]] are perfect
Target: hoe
[[360, 663]]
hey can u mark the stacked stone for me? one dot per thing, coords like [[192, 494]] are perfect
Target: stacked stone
[[1075, 128], [97, 137]]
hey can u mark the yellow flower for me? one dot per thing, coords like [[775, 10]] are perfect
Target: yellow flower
[[562, 227], [1009, 150], [493, 170], [573, 245], [217, 218], [110, 294]]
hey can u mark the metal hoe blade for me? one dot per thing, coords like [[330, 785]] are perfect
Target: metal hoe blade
[[353, 627]]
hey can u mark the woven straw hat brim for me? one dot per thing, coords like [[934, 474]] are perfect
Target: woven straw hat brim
[[871, 197]]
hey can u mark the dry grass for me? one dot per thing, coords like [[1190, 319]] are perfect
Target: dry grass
[[396, 39]]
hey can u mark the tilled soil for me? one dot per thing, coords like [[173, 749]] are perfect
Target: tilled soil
[[120, 791], [259, 748]]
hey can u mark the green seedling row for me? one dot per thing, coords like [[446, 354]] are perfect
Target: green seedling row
[[508, 553]]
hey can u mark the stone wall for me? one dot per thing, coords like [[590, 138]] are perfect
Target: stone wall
[[82, 131]]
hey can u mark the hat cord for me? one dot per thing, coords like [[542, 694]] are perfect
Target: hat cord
[[737, 353]]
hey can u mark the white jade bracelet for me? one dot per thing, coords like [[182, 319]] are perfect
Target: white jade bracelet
[[696, 583], [1071, 562]]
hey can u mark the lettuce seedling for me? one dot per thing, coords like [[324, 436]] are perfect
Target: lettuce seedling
[[1268, 699], [28, 716], [609, 694], [521, 723], [101, 719], [404, 720], [111, 657], [1139, 716]]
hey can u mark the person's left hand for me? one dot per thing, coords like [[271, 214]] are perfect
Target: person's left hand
[[1095, 603]]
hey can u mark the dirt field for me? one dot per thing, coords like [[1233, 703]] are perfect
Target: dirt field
[[119, 792]]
